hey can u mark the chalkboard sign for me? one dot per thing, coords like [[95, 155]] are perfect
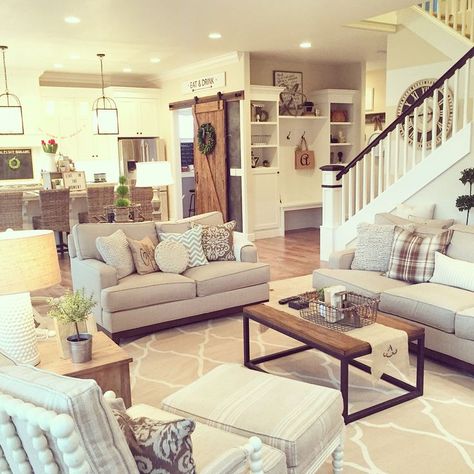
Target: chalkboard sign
[[187, 153], [16, 163]]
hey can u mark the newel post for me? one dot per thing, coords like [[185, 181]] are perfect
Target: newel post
[[332, 195]]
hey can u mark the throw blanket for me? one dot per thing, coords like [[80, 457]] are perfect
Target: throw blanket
[[389, 346]]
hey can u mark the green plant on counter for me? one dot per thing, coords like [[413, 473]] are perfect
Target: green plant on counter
[[73, 307], [466, 201], [122, 193]]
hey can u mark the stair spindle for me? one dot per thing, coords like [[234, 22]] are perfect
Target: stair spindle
[[405, 145], [467, 77], [343, 199], [415, 137], [444, 128], [424, 131], [434, 132], [364, 181], [455, 101], [387, 160], [396, 154], [351, 194], [372, 174], [380, 170]]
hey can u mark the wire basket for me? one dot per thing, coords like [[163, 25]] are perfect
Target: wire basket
[[356, 311], [260, 139]]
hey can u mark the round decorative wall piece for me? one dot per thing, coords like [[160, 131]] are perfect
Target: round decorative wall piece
[[14, 163], [443, 107], [206, 136]]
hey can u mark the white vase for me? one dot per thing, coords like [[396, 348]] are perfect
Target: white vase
[[49, 162]]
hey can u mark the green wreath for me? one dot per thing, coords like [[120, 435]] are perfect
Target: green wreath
[[206, 136], [14, 163]]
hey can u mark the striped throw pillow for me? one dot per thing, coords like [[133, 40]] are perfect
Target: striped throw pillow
[[413, 256], [191, 239]]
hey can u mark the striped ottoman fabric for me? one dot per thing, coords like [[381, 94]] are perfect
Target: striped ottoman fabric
[[298, 418]]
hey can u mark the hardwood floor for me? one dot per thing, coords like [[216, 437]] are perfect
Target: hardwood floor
[[295, 254]]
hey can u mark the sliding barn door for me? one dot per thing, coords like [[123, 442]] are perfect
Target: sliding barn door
[[211, 171]]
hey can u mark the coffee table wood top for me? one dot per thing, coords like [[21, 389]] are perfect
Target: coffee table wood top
[[336, 343], [105, 353]]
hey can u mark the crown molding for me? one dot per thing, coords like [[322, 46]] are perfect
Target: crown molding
[[217, 61]]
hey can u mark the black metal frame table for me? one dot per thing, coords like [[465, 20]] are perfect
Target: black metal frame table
[[339, 345]]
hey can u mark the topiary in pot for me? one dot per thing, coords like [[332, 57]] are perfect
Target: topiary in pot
[[466, 201], [74, 307], [122, 202]]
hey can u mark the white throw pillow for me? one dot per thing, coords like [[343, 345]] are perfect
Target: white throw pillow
[[171, 257], [191, 239], [452, 272], [115, 251], [419, 210], [374, 245]]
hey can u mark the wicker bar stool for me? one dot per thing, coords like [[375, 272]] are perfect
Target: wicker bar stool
[[98, 197], [143, 196], [11, 210], [54, 205]]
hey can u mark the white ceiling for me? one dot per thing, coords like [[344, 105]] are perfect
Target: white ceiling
[[131, 32]]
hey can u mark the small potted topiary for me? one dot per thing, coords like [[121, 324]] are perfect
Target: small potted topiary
[[122, 203], [466, 201], [74, 307]]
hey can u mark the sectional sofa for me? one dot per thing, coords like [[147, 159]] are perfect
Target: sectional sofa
[[139, 304], [446, 312]]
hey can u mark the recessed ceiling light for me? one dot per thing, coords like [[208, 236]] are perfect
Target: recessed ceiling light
[[214, 36], [155, 60], [72, 20], [305, 45], [74, 56], [58, 66], [127, 69]]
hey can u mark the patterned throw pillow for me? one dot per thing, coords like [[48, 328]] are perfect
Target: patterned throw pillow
[[413, 255], [218, 241], [157, 446], [143, 253], [191, 239], [115, 251]]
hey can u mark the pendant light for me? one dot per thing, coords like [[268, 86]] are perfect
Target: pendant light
[[105, 110], [11, 115]]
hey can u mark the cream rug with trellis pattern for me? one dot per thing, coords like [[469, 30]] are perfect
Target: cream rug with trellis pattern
[[431, 434]]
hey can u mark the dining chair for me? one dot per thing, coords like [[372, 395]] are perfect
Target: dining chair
[[11, 210], [143, 196], [98, 197]]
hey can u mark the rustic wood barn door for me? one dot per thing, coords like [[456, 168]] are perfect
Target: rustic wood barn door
[[211, 170]]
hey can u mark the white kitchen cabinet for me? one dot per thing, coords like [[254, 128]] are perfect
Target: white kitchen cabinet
[[266, 203]]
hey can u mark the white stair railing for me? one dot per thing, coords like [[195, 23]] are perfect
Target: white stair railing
[[458, 14], [440, 111]]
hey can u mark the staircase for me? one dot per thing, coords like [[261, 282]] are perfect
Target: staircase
[[457, 14], [431, 133]]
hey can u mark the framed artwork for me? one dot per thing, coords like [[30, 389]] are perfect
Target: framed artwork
[[369, 99], [16, 163], [291, 80]]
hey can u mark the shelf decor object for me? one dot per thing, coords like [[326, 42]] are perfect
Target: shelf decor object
[[154, 174], [105, 109], [29, 263], [11, 114]]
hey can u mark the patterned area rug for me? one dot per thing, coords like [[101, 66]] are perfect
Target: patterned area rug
[[431, 434]]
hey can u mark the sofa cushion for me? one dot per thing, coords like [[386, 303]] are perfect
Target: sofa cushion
[[104, 444], [298, 418], [216, 451], [360, 281], [182, 225], [218, 277], [143, 253], [192, 240], [462, 243], [464, 324], [427, 303], [453, 272], [137, 291], [419, 210], [85, 235], [115, 251]]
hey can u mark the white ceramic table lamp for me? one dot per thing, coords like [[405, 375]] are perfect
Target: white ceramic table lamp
[[154, 174], [28, 262]]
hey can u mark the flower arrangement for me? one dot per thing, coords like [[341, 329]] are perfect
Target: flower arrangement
[[50, 147]]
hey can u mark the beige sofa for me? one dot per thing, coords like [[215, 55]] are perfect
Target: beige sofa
[[447, 313], [139, 304]]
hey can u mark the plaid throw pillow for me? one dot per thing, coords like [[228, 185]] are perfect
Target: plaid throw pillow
[[413, 255]]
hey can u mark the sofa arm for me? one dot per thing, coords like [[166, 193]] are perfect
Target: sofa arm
[[341, 259], [93, 275], [244, 250]]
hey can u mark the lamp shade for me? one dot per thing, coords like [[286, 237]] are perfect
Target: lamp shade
[[29, 261], [105, 121], [11, 120], [154, 174]]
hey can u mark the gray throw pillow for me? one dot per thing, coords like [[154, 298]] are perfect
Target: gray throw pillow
[[374, 245], [115, 251]]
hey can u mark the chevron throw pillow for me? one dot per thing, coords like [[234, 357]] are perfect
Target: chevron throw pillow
[[191, 239]]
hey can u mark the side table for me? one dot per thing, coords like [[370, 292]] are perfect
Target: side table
[[109, 366]]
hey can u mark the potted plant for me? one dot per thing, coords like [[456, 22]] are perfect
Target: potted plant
[[74, 307], [466, 201], [122, 203]]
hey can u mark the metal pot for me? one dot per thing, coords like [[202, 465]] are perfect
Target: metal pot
[[81, 351]]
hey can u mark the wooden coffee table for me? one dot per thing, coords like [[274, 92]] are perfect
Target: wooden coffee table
[[339, 345], [109, 366]]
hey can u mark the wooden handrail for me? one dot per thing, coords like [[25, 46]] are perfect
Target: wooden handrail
[[401, 118]]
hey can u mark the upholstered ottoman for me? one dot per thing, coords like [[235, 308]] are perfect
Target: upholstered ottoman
[[300, 419]]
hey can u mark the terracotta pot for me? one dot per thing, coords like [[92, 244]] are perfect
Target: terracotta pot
[[122, 214]]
